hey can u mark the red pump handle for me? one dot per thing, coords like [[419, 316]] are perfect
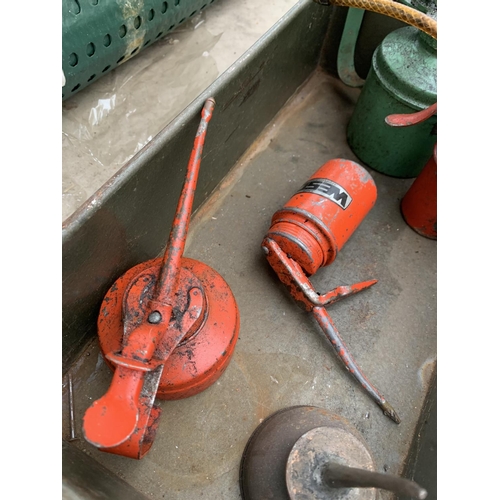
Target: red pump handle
[[406, 120]]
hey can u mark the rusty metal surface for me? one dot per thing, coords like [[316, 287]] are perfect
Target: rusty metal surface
[[128, 219], [330, 330], [314, 451], [341, 476]]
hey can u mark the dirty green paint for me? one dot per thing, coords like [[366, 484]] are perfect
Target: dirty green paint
[[99, 35], [402, 79]]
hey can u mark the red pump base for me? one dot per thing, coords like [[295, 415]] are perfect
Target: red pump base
[[211, 320], [206, 313], [167, 327]]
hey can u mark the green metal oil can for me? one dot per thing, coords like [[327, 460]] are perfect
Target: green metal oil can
[[402, 79]]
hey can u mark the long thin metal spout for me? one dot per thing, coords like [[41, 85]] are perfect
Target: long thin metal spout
[[167, 282], [330, 330], [335, 475]]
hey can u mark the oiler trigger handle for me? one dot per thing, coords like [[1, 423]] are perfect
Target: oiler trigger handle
[[291, 274], [119, 418], [409, 119], [124, 421], [112, 419], [344, 291]]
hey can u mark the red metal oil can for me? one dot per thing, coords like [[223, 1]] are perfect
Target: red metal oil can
[[319, 219], [419, 205], [167, 327], [307, 233]]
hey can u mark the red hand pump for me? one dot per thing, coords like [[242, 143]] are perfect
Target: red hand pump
[[168, 327]]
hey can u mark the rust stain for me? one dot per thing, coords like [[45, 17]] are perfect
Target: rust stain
[[131, 10], [426, 370]]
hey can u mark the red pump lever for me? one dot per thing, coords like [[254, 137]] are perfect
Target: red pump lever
[[124, 420], [301, 289]]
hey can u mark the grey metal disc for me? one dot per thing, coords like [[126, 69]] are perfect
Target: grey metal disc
[[315, 449]]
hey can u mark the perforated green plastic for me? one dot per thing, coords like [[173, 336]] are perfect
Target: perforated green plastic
[[98, 35]]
